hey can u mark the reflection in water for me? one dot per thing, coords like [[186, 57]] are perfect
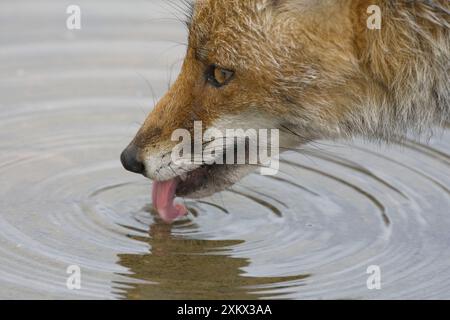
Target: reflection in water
[[181, 268]]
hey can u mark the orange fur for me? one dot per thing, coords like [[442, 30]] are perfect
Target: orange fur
[[311, 66]]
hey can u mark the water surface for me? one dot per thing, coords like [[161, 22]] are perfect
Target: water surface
[[72, 100]]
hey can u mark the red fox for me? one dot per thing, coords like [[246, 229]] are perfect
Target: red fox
[[311, 68]]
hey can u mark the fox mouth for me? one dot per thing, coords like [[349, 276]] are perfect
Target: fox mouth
[[197, 183], [194, 180], [207, 179]]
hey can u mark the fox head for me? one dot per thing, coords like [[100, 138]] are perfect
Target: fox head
[[292, 65]]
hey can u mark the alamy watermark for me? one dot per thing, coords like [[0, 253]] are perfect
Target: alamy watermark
[[73, 281], [374, 280], [73, 21], [375, 19], [259, 147]]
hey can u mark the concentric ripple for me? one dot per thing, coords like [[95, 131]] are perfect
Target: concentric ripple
[[70, 103]]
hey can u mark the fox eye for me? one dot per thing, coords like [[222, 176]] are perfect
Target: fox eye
[[218, 76]]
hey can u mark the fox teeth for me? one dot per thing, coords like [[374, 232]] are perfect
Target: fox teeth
[[183, 177]]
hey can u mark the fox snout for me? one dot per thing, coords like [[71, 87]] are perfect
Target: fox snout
[[130, 159]]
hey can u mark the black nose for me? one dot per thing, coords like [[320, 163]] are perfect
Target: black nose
[[130, 160]]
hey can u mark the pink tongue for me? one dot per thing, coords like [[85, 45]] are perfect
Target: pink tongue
[[163, 196]]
